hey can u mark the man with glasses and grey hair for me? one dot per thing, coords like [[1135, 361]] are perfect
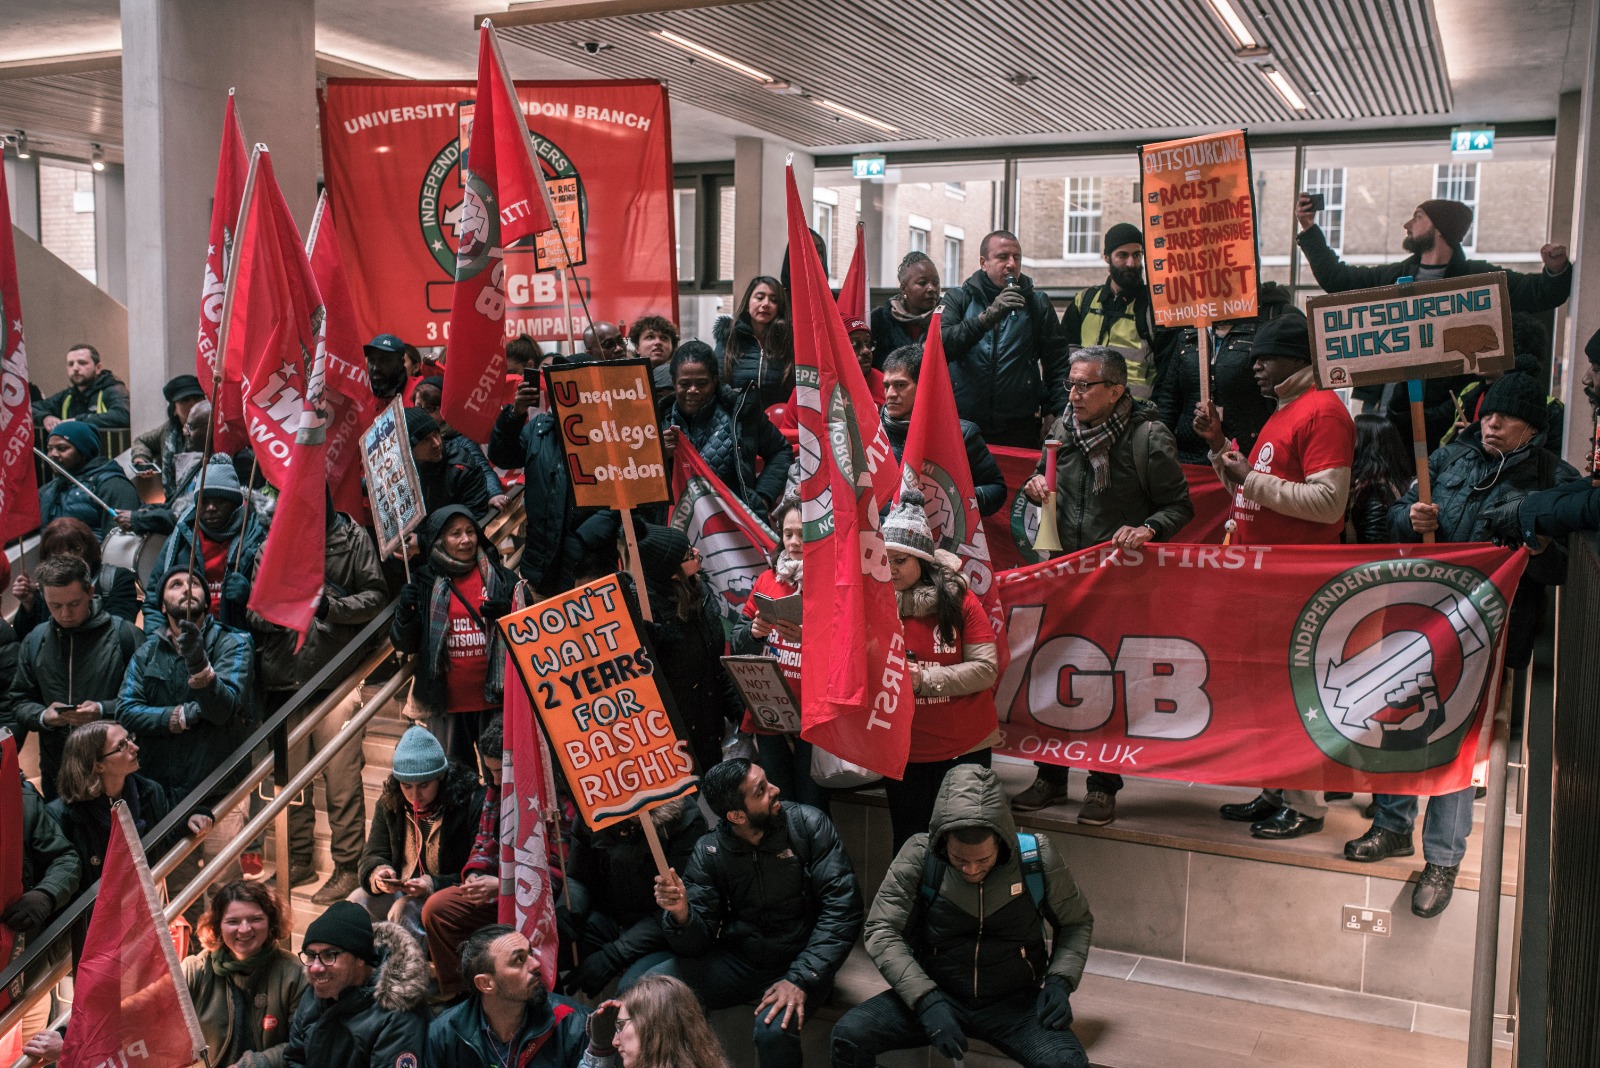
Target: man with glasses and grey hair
[[1118, 480]]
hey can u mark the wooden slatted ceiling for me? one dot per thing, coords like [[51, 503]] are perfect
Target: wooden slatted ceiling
[[69, 109], [937, 71]]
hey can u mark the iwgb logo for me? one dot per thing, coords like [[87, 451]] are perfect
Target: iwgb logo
[[1390, 662]]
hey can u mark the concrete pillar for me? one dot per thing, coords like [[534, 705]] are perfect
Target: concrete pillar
[[22, 189], [880, 224], [179, 59], [1583, 312], [111, 233], [760, 205]]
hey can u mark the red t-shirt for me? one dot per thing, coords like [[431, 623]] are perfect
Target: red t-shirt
[[466, 648], [215, 555], [1313, 432], [947, 727], [787, 653]]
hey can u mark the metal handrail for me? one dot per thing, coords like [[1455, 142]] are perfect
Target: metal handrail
[[1486, 947]]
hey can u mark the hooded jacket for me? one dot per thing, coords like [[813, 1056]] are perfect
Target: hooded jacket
[[743, 362], [1004, 375], [249, 534], [450, 481], [381, 1024], [456, 1039], [1146, 487], [788, 905], [1529, 292], [270, 999], [86, 663], [413, 631], [562, 539], [752, 438], [463, 451], [393, 837], [59, 498], [988, 484], [101, 403], [976, 941]]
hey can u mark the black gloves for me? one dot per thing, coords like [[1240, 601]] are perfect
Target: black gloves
[[1504, 523], [596, 971], [191, 648], [944, 1030], [602, 1028], [322, 607], [410, 597], [28, 913], [235, 587], [1055, 1004]]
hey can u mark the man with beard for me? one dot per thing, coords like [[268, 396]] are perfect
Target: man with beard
[[511, 1019], [386, 367], [1118, 315], [769, 903], [94, 396], [1008, 358], [1434, 234], [231, 536]]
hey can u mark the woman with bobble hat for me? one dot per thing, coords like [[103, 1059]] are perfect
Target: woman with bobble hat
[[422, 831], [953, 664]]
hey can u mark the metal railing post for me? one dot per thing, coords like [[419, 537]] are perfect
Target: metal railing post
[[1486, 949]]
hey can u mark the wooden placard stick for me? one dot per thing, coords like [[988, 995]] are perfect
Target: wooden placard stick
[[1203, 332], [636, 566], [1419, 448], [654, 839]]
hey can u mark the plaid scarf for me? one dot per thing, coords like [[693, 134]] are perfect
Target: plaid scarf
[[1095, 441], [439, 623]]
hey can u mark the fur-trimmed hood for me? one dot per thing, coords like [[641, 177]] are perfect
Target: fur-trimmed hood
[[922, 599], [400, 982]]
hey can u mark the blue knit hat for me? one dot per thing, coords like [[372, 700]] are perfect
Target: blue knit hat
[[419, 757], [81, 436], [222, 480]]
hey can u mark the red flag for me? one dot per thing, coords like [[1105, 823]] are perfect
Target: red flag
[[937, 455], [226, 201], [274, 335], [10, 831], [19, 490], [504, 200], [528, 790], [857, 703], [351, 407], [853, 294], [735, 546], [132, 1005]]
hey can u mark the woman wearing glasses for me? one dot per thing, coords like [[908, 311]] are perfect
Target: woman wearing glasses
[[245, 986], [661, 1025]]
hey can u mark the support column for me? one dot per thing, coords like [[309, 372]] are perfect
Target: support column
[[880, 225], [1583, 311], [760, 199], [22, 189], [111, 233], [179, 58]]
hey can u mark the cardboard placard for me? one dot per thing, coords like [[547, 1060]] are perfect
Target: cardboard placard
[[393, 488], [607, 417], [592, 683], [1199, 229], [765, 691], [1451, 326]]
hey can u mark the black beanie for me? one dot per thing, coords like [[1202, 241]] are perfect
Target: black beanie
[[345, 926], [1516, 394], [1122, 234], [661, 550], [181, 388], [1592, 349], [1286, 335], [1450, 217], [419, 424]]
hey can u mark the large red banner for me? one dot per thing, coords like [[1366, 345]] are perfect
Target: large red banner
[[392, 158], [351, 406], [1363, 668], [19, 491]]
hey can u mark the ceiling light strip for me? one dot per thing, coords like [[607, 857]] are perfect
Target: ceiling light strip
[[1285, 88], [1235, 23], [714, 56], [852, 113]]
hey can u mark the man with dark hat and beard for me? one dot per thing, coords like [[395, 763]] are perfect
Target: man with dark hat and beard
[[1118, 315], [386, 367], [153, 451], [231, 536]]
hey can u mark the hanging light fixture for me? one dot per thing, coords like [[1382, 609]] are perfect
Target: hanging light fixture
[[97, 159]]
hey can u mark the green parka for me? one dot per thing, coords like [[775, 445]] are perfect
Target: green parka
[[270, 996]]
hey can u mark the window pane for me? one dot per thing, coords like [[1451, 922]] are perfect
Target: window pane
[[683, 220], [725, 233], [822, 216], [1459, 181], [919, 239], [1064, 207], [952, 257], [1083, 216], [66, 214], [1329, 181]]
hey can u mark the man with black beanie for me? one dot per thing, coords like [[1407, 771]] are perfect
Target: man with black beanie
[[444, 482], [1118, 315], [153, 451]]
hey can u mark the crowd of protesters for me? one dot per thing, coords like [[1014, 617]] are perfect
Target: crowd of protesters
[[760, 904]]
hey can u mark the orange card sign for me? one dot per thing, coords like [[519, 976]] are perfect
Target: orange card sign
[[1200, 229], [608, 426], [593, 685]]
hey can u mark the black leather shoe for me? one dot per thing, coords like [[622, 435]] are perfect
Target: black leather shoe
[[1286, 823], [1379, 844], [1252, 811], [1434, 889]]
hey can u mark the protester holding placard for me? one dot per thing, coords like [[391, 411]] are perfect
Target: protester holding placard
[[564, 542], [756, 348], [1118, 315], [445, 616], [728, 428]]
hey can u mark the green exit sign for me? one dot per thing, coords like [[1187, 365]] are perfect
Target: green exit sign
[[867, 166], [1476, 141]]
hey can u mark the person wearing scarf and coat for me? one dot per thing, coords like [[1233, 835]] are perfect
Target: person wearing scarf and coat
[[903, 319], [1118, 479], [446, 618]]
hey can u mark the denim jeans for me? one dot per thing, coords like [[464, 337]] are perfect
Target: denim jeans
[[721, 980], [1444, 828], [1011, 1024]]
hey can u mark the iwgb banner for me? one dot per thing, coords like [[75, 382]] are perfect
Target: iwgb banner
[[734, 544], [1362, 668], [392, 157]]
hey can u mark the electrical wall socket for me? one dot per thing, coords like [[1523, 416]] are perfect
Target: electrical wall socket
[[1358, 920]]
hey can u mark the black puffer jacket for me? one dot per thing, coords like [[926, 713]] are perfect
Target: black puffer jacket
[[1233, 389], [1004, 376], [744, 362], [753, 437], [101, 403], [790, 902], [381, 1024], [60, 499]]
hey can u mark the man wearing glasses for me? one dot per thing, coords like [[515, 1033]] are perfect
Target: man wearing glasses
[[1118, 479], [511, 1020], [367, 986], [603, 341]]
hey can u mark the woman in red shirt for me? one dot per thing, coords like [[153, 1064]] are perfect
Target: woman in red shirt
[[954, 662]]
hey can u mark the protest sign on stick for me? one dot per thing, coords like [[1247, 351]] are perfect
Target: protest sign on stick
[[592, 682], [393, 486], [1200, 235], [765, 691]]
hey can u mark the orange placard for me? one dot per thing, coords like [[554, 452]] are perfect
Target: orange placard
[[607, 417], [592, 682], [1200, 229]]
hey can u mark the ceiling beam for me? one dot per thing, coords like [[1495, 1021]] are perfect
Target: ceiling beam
[[46, 66], [547, 12]]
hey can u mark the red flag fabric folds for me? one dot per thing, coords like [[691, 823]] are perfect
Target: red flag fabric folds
[[853, 294], [504, 200], [227, 412], [275, 336], [857, 703], [351, 406], [528, 790], [19, 488], [735, 545], [132, 1005]]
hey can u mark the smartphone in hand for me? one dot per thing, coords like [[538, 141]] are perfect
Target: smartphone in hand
[[1316, 202]]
